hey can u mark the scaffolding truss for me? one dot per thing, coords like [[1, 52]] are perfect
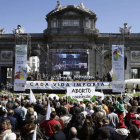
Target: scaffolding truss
[[24, 39]]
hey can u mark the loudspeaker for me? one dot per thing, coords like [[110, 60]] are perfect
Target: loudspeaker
[[125, 62], [14, 61]]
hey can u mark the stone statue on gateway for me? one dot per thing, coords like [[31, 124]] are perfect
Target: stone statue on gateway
[[19, 30], [2, 31], [125, 30]]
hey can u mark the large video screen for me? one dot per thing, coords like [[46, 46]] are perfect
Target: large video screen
[[70, 62]]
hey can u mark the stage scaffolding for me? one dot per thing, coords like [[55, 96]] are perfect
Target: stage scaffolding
[[24, 39], [49, 49]]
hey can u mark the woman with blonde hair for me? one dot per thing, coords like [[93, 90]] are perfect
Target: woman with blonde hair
[[5, 128]]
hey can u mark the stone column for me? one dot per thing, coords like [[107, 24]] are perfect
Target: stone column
[[127, 72], [91, 62], [0, 78], [98, 65]]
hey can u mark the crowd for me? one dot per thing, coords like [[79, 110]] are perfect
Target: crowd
[[113, 118], [7, 86]]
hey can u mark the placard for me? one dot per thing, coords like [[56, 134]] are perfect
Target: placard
[[80, 93]]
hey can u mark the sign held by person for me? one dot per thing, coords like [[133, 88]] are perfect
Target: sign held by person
[[81, 93]]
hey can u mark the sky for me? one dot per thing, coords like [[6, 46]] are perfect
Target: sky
[[31, 14]]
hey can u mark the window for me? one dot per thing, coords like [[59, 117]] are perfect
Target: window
[[87, 24], [33, 60], [134, 73]]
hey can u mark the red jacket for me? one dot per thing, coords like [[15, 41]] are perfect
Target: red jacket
[[130, 116], [48, 125]]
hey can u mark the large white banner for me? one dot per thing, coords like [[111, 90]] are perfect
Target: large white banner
[[118, 68], [80, 93], [63, 85], [20, 67]]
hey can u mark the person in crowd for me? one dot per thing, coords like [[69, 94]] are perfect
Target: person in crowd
[[134, 132], [28, 129], [87, 131], [3, 113], [23, 110], [75, 109], [97, 116], [58, 134], [64, 118], [83, 112], [89, 117], [73, 134], [121, 132], [29, 119], [120, 109], [105, 107], [67, 105], [76, 121], [17, 114], [10, 136], [12, 119], [89, 109], [42, 115], [136, 122], [104, 134], [5, 128], [137, 114], [130, 116], [113, 118], [9, 104], [105, 124], [31, 109], [38, 106], [49, 124]]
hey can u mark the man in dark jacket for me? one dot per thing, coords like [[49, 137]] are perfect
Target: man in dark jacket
[[73, 133], [12, 119], [75, 109], [38, 106], [105, 124], [58, 134], [17, 115]]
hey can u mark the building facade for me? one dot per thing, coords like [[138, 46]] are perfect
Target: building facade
[[72, 29], [33, 63]]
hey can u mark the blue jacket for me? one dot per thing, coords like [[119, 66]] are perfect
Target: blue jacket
[[111, 130], [13, 122], [17, 115]]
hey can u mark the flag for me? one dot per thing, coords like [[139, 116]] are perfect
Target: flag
[[121, 96], [28, 68], [19, 97], [48, 111], [34, 135], [32, 97]]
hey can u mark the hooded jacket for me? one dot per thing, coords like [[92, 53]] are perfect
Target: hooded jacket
[[120, 107]]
